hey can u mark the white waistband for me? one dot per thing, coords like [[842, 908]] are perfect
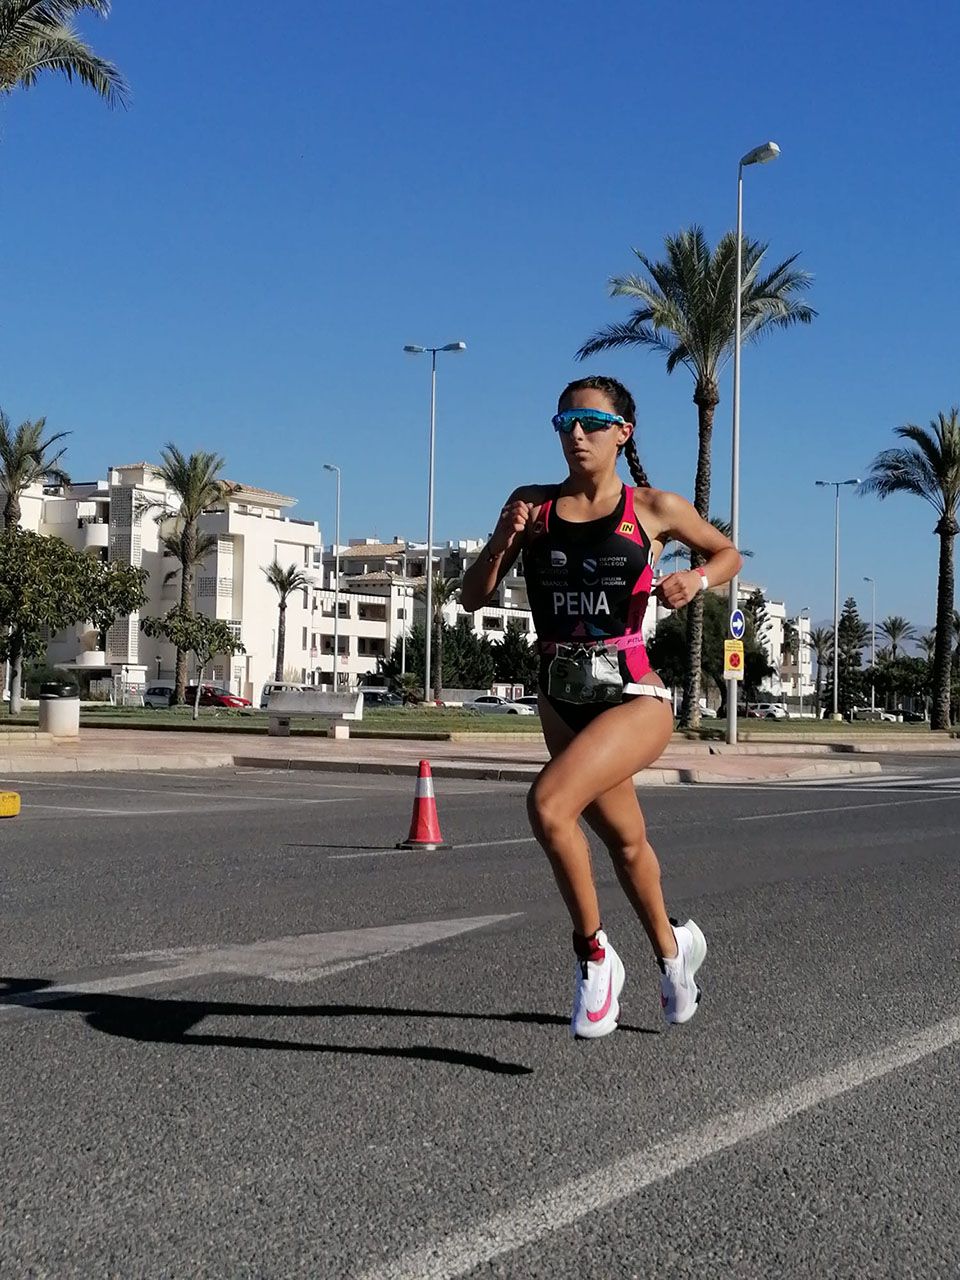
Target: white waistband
[[637, 690]]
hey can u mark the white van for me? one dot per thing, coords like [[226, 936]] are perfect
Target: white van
[[276, 686]]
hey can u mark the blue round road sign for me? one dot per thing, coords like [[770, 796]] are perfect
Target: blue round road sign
[[738, 624]]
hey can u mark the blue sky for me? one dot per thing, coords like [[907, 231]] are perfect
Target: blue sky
[[236, 262]]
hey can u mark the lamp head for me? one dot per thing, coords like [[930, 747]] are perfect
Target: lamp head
[[328, 466], [415, 351], [761, 155], [454, 346]]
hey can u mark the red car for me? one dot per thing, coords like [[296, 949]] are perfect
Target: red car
[[212, 695]]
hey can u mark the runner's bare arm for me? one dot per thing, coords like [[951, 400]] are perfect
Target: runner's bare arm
[[667, 516], [501, 552]]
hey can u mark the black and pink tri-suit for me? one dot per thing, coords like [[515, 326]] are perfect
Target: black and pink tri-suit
[[588, 585]]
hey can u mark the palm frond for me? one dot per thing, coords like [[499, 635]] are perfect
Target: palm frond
[[286, 580], [690, 302], [902, 471], [37, 36], [68, 55], [626, 334]]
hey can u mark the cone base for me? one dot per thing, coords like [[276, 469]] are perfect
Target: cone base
[[428, 845]]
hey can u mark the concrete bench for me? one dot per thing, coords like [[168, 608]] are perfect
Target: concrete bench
[[335, 709]]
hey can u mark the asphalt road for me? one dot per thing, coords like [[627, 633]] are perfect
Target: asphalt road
[[241, 1036]]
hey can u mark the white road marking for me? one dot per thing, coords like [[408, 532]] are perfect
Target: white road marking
[[367, 853], [837, 808], [220, 796], [492, 844], [381, 853], [75, 808], [538, 1217], [300, 958]]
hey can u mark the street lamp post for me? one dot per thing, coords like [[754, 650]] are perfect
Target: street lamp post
[[873, 647], [837, 486], [419, 351], [406, 621], [804, 610], [759, 155], [329, 466]]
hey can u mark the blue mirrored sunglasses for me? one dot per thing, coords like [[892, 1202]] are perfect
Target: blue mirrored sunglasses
[[590, 420]]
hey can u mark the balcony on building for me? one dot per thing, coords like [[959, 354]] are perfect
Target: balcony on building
[[94, 533]]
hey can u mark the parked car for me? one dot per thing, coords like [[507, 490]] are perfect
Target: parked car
[[278, 686], [529, 700], [492, 704], [767, 711], [380, 698], [864, 713], [212, 695], [707, 713], [158, 694]]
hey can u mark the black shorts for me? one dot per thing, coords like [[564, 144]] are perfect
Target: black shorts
[[577, 716]]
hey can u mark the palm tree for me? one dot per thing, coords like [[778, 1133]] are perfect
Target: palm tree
[[676, 551], [25, 458], [927, 643], [896, 629], [444, 590], [284, 582], [36, 37], [196, 485], [930, 470], [820, 643], [687, 314]]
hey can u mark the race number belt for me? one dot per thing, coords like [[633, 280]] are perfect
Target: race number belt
[[587, 674]]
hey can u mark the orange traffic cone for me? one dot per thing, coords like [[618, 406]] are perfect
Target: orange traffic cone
[[425, 824]]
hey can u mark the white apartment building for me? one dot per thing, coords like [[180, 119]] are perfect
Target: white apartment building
[[116, 519], [792, 676]]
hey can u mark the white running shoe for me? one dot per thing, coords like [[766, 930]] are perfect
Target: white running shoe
[[596, 995], [679, 993]]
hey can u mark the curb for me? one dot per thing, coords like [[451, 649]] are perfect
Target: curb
[[109, 764], [652, 777], [493, 772]]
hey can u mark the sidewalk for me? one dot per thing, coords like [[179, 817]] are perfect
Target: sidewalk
[[104, 750]]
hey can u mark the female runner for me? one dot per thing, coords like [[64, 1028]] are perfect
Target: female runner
[[589, 546]]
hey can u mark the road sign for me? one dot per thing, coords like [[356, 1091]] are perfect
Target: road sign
[[738, 624], [733, 659]]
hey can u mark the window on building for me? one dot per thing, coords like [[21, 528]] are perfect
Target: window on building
[[372, 612], [234, 629], [402, 614], [343, 645], [344, 611], [306, 597], [303, 642], [491, 623]]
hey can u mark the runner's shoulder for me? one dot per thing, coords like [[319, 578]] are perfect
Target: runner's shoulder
[[535, 494], [660, 506]]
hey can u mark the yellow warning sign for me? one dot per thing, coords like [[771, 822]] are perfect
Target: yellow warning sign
[[733, 659]]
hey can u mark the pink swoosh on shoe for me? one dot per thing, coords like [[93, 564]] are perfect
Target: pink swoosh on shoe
[[602, 1013]]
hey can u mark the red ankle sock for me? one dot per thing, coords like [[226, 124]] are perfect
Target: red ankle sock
[[588, 948]]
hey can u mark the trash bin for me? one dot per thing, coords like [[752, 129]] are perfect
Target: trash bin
[[60, 710]]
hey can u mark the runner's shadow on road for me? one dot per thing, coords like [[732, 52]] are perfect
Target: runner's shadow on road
[[158, 1020]]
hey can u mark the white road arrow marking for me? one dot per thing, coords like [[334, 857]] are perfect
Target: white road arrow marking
[[298, 958]]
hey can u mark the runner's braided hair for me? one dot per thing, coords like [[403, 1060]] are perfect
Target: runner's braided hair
[[623, 404]]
